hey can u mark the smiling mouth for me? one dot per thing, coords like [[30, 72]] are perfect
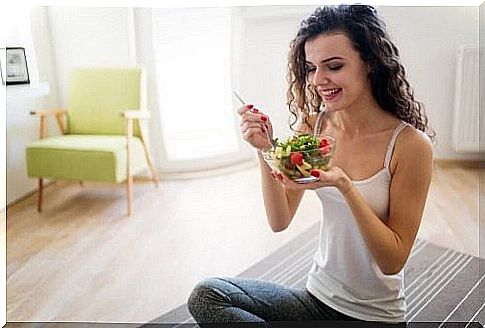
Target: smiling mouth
[[330, 94]]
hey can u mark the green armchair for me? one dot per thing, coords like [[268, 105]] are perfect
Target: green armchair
[[99, 140]]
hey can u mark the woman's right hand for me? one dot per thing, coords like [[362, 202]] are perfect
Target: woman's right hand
[[253, 125]]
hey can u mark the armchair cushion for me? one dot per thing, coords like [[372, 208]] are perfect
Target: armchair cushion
[[97, 96], [84, 157]]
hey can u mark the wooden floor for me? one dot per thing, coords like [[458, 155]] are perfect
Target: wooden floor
[[82, 259]]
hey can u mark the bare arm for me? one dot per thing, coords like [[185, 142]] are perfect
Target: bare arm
[[280, 202]]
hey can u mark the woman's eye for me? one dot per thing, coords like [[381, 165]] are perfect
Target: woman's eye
[[310, 69], [335, 67]]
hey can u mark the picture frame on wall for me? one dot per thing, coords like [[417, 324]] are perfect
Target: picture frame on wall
[[16, 69]]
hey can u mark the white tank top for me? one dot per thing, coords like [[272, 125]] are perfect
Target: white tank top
[[344, 274]]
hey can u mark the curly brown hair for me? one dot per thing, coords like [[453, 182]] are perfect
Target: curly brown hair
[[366, 30]]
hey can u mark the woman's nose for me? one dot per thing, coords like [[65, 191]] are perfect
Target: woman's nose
[[320, 78]]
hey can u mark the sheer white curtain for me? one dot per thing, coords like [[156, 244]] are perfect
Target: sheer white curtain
[[192, 50]]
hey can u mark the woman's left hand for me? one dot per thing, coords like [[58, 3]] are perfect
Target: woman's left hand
[[334, 177]]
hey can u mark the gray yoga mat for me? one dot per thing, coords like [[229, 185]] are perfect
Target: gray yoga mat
[[444, 288]]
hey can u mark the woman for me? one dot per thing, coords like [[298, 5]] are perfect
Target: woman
[[345, 80]]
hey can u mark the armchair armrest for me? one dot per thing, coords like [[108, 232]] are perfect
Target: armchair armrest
[[48, 112], [135, 114], [43, 113]]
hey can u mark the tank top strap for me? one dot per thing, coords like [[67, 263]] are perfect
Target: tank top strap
[[390, 147], [318, 123]]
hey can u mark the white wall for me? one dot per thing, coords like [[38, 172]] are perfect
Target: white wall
[[3, 189], [89, 36], [3, 161], [22, 128], [44, 52], [428, 38], [481, 190]]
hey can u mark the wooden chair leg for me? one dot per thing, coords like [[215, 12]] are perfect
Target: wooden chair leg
[[149, 159], [129, 177], [154, 172], [39, 195], [142, 124], [129, 193]]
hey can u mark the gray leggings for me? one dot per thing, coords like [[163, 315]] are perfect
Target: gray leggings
[[231, 300]]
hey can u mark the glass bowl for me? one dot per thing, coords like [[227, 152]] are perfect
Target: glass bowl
[[297, 156]]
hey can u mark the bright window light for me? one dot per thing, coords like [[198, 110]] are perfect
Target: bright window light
[[192, 53]]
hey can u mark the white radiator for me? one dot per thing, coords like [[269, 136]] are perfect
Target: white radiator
[[466, 124]]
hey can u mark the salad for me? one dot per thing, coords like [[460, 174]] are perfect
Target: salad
[[296, 156]]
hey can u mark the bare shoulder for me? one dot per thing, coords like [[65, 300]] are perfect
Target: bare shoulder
[[413, 148]]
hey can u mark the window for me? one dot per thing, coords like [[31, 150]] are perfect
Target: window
[[192, 49]]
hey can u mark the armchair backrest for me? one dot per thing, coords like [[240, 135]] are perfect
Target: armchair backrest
[[97, 96]]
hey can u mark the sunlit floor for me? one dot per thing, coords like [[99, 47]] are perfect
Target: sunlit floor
[[82, 259]]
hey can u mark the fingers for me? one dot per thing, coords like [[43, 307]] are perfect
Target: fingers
[[249, 132], [316, 173], [249, 112], [285, 181], [252, 118], [248, 125], [276, 175], [255, 127], [243, 109]]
